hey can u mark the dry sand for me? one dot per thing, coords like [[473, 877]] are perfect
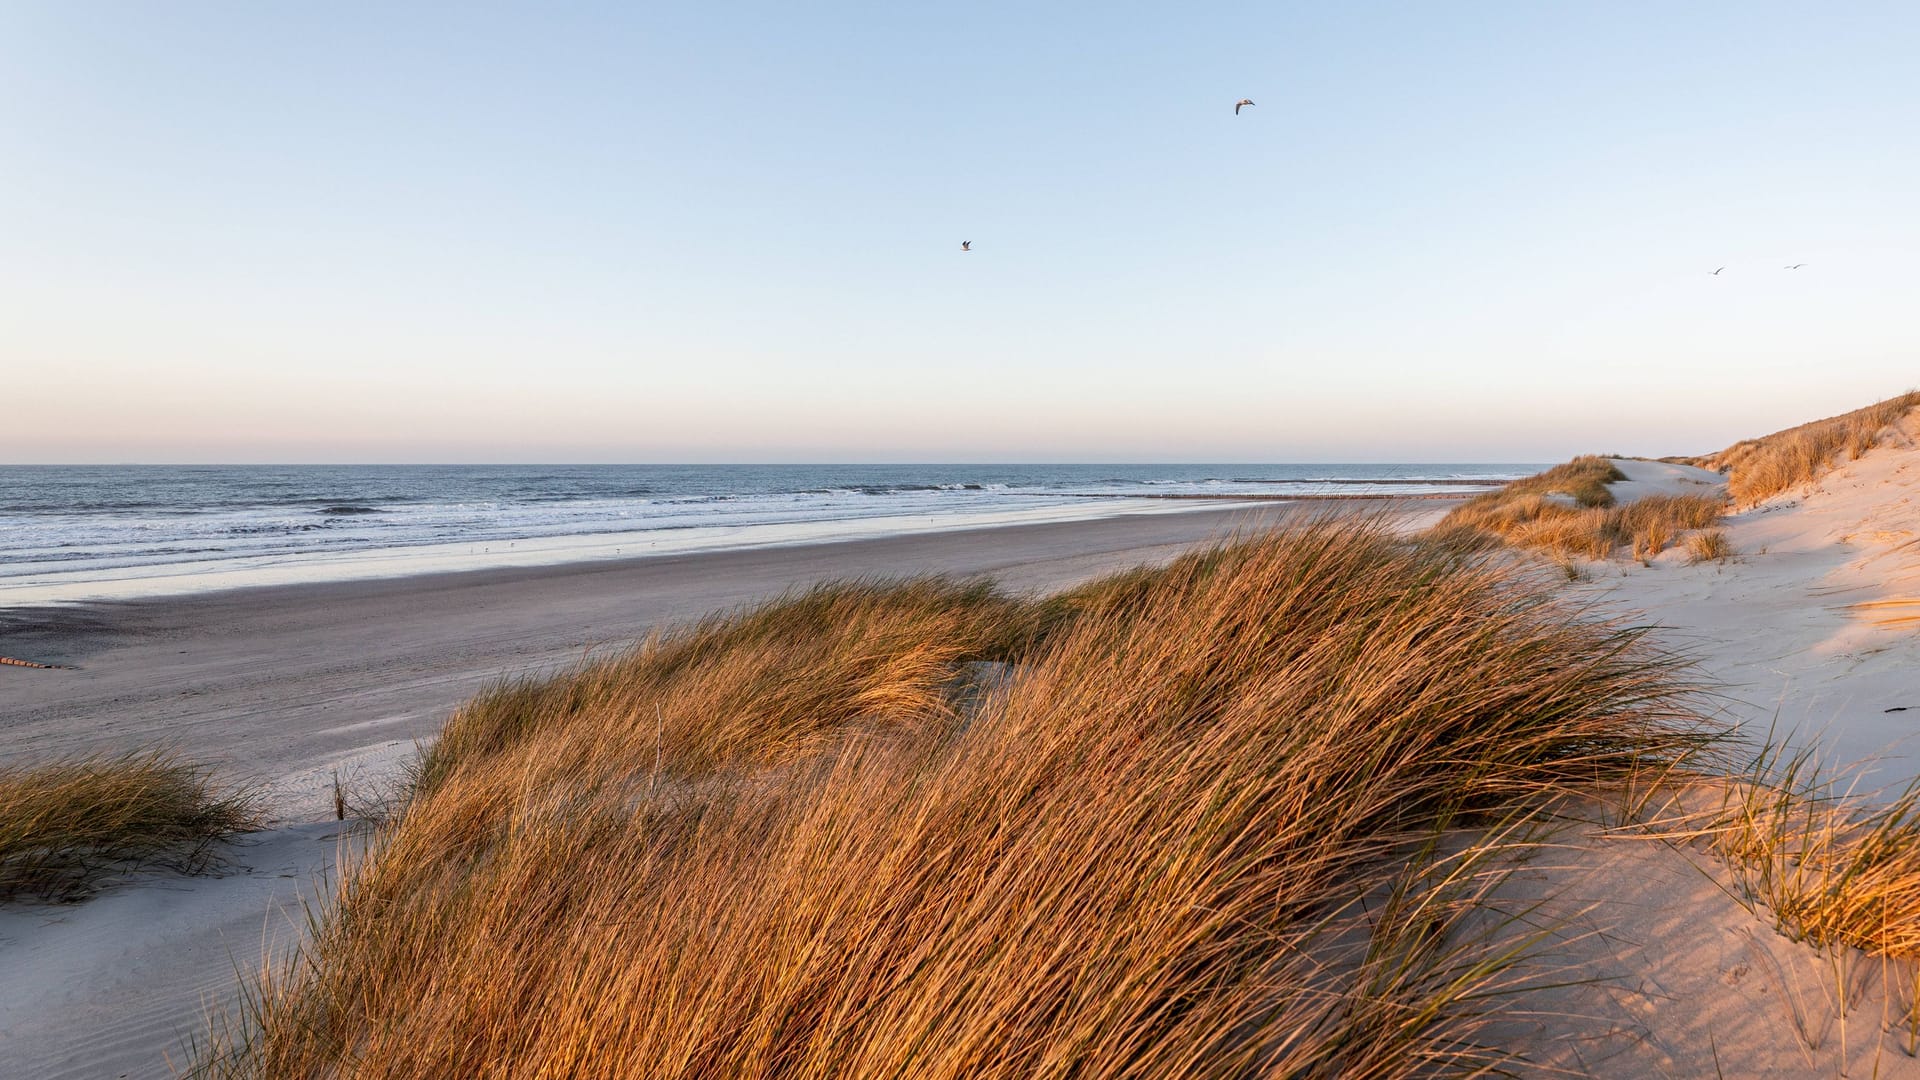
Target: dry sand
[[1809, 630], [1813, 629], [1653, 966], [286, 685]]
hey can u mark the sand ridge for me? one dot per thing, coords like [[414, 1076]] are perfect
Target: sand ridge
[[1808, 628]]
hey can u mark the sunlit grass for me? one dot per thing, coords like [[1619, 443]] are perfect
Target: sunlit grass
[[1828, 866], [1568, 513], [1709, 546], [782, 844], [1759, 469]]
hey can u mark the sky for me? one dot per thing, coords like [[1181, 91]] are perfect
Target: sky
[[343, 232]]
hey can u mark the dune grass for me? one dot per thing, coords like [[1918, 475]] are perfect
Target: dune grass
[[1568, 513], [66, 826], [1584, 480], [748, 689], [1759, 469], [1193, 833], [1709, 546], [1827, 865]]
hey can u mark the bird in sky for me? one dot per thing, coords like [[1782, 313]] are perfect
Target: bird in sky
[[966, 245], [1237, 104], [1716, 273], [1795, 266]]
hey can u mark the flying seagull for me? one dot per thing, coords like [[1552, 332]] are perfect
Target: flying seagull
[[966, 245], [1795, 266], [1716, 273], [1237, 104]]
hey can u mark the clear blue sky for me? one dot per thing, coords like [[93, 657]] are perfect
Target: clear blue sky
[[612, 232]]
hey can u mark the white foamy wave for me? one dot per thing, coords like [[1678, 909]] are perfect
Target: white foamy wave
[[71, 532]]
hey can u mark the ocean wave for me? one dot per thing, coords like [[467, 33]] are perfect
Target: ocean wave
[[94, 520], [242, 500], [24, 562], [276, 528], [896, 489]]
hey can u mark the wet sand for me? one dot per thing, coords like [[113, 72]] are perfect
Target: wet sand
[[286, 684]]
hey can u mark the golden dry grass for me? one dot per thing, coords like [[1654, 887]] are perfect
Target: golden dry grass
[[1759, 469], [67, 825], [750, 689], [1190, 835], [1827, 866], [1709, 546], [1567, 513], [1583, 480]]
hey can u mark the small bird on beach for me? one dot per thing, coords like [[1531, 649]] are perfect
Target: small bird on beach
[[1237, 104], [966, 245], [1716, 273], [1795, 266]]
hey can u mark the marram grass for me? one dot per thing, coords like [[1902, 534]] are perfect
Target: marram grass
[[1829, 866], [1567, 512], [1189, 834], [68, 825], [1759, 469], [1545, 514]]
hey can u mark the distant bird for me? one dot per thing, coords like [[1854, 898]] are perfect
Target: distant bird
[[1795, 266], [1237, 104], [1716, 273], [966, 245]]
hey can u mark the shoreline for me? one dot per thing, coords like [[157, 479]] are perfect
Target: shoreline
[[404, 560], [110, 537], [285, 683]]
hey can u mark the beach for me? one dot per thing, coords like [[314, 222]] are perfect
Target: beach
[[959, 543], [293, 686], [1801, 636], [287, 684]]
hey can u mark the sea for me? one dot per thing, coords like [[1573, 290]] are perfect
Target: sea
[[87, 532]]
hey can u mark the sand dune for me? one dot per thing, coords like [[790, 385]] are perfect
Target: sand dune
[[1672, 974], [1810, 627]]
